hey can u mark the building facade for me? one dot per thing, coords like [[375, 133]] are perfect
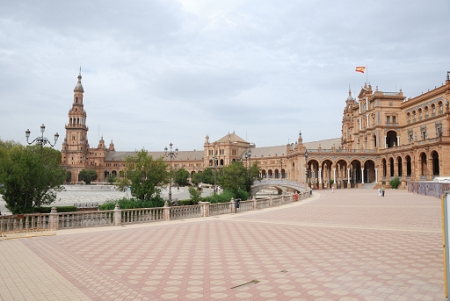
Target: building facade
[[384, 135]]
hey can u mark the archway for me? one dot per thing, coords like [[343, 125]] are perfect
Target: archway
[[391, 139], [263, 174], [355, 173], [408, 166], [341, 174], [369, 171], [435, 158], [399, 167], [423, 166], [313, 173], [391, 167]]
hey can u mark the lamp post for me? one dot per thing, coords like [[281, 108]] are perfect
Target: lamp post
[[281, 169], [41, 140], [306, 169], [247, 155], [170, 154], [214, 157]]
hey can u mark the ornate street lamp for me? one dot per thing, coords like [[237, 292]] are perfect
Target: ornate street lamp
[[41, 140], [170, 154], [247, 155], [306, 169], [215, 161], [281, 169]]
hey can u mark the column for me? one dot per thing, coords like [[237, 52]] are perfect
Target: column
[[362, 175], [320, 175], [348, 178], [334, 175], [398, 140], [376, 175], [385, 142]]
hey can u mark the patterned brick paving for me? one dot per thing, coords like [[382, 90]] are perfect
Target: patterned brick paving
[[347, 245]]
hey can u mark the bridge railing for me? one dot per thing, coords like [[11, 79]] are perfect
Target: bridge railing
[[116, 217]]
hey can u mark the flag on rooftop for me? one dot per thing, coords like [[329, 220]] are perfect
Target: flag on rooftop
[[360, 69]]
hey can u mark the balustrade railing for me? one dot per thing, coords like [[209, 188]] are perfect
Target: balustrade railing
[[116, 217]]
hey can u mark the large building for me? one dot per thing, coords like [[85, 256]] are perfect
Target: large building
[[384, 135]]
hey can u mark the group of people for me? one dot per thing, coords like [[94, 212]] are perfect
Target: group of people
[[217, 189], [381, 191]]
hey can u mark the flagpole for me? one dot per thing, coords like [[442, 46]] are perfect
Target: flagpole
[[367, 74]]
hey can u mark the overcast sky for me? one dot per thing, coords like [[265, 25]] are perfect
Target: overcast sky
[[156, 72]]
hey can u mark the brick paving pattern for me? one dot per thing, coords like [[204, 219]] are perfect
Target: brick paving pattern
[[348, 245]]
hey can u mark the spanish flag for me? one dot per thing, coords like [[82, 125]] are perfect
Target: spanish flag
[[360, 69]]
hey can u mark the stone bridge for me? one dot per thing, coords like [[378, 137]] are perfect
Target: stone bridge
[[279, 184]]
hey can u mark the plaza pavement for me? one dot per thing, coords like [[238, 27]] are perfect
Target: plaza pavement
[[347, 245]]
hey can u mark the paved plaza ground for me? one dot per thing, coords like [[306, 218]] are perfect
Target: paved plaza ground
[[347, 245]]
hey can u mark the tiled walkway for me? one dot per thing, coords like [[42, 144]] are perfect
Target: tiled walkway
[[347, 245]]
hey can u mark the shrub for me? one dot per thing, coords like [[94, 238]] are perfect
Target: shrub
[[58, 209], [131, 203], [395, 182], [224, 197], [195, 195]]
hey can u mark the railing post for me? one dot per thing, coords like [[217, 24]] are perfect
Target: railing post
[[290, 199], [205, 208], [53, 219], [255, 203], [166, 209], [270, 201], [117, 215], [233, 207]]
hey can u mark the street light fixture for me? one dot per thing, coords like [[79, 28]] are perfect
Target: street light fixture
[[41, 140], [215, 161], [170, 154], [247, 155], [306, 169], [281, 169]]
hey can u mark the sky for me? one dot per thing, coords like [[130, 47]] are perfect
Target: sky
[[173, 71]]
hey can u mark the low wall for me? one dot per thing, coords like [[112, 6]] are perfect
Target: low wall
[[435, 189], [117, 217]]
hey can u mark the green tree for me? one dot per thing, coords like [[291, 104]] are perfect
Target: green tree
[[181, 177], [207, 177], [236, 177], [87, 175], [146, 175], [195, 194], [30, 177], [111, 178], [395, 182]]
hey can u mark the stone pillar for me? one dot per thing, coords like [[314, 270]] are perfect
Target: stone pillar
[[233, 206], [429, 169], [53, 219], [398, 140], [205, 208], [362, 175], [334, 175], [385, 142], [255, 203], [348, 178], [376, 175], [320, 176], [166, 209], [117, 215], [395, 168]]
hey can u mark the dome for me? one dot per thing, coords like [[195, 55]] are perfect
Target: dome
[[79, 86]]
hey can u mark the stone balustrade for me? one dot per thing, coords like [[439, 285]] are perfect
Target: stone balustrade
[[117, 217]]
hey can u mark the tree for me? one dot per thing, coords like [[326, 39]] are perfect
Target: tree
[[195, 194], [30, 177], [207, 176], [236, 177], [87, 175], [111, 178], [181, 177], [146, 175]]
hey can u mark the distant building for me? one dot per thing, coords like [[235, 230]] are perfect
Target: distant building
[[384, 135]]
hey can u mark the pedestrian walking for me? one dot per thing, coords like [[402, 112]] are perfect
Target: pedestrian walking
[[379, 191], [382, 191], [332, 189]]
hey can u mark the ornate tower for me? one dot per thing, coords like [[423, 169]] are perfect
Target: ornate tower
[[75, 146]]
